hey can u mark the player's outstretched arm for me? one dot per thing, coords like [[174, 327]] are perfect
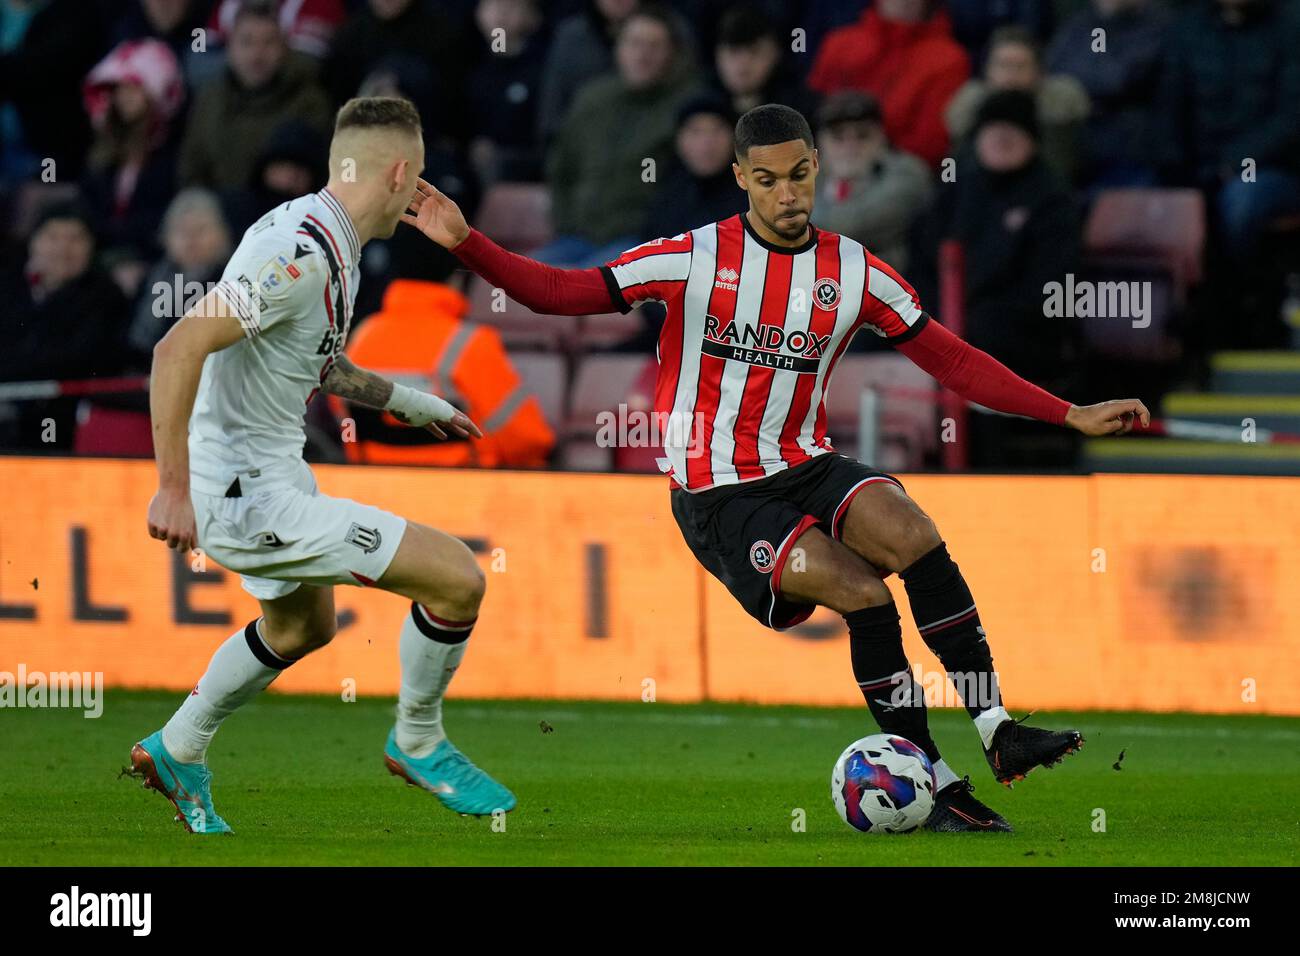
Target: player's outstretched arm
[[978, 377], [542, 288], [173, 382], [410, 406]]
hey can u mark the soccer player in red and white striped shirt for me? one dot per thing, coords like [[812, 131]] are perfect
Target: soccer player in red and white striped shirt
[[760, 307]]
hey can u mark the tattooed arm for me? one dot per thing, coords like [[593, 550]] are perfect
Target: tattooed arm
[[349, 381], [410, 406]]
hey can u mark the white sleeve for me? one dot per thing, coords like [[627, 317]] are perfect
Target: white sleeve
[[267, 283]]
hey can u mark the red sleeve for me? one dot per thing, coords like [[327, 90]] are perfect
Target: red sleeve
[[542, 288], [978, 377]]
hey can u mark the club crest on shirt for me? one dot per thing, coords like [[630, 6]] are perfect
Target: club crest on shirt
[[826, 293], [762, 556]]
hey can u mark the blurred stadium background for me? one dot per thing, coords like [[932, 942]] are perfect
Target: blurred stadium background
[[986, 148]]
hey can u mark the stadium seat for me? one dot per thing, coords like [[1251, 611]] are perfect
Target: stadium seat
[[112, 432], [1160, 228], [640, 397], [516, 215], [600, 385], [546, 377], [1115, 337], [908, 418], [520, 327]]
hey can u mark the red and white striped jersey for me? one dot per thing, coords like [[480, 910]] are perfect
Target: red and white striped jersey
[[752, 335]]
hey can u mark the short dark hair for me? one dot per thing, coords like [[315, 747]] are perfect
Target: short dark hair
[[258, 10], [378, 112], [1013, 34], [744, 25], [652, 10], [768, 125]]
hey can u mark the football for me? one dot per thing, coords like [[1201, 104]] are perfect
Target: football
[[883, 784]]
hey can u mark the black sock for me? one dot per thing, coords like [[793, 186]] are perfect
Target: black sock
[[884, 676], [945, 615]]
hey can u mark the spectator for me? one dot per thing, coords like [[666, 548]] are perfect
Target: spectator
[[196, 244], [974, 22], [700, 186], [503, 90], [1020, 230], [1118, 149], [420, 337], [46, 47], [1231, 98], [902, 51], [131, 98], [308, 25], [408, 254], [234, 113], [582, 50], [866, 189], [60, 318], [292, 164], [750, 67], [414, 27], [179, 24], [598, 164], [1015, 63]]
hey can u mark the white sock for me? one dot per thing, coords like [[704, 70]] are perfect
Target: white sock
[[988, 721], [241, 669], [943, 775], [430, 650]]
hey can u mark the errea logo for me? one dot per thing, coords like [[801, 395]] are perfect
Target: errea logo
[[728, 278]]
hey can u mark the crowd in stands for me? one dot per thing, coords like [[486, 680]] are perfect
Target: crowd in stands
[[140, 138]]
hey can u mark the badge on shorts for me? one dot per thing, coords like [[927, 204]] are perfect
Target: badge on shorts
[[762, 556], [367, 539]]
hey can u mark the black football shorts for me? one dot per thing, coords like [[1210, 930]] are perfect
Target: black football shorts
[[742, 533]]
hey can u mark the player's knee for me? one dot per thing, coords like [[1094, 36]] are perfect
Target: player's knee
[[460, 590], [297, 638], [915, 536], [870, 591]]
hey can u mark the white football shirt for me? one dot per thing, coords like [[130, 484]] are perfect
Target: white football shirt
[[293, 283]]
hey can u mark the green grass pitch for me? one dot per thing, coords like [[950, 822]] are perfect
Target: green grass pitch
[[301, 780]]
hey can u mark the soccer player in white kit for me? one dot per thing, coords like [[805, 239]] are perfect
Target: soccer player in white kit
[[237, 372]]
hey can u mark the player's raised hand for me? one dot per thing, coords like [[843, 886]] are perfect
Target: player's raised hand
[[436, 216], [171, 519], [1116, 417]]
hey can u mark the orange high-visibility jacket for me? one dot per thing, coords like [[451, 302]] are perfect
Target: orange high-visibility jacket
[[420, 338]]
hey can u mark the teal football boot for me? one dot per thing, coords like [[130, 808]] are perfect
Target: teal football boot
[[187, 785], [448, 775]]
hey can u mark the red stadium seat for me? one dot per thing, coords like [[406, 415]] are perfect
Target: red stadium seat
[[1155, 228], [516, 215], [112, 432], [908, 417], [1154, 236], [520, 327], [600, 385]]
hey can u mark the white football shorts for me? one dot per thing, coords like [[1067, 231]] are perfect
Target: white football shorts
[[280, 537]]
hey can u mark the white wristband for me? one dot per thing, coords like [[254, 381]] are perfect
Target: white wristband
[[418, 408]]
